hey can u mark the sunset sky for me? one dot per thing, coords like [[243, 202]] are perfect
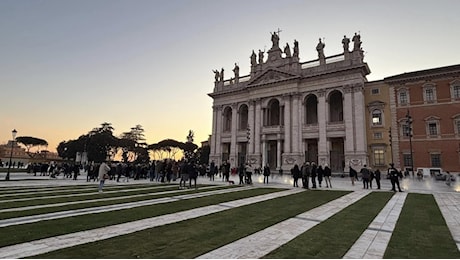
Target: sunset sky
[[68, 66]]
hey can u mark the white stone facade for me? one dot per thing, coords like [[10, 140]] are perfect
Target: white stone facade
[[286, 112]]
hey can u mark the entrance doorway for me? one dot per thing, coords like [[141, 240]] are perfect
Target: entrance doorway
[[311, 152], [272, 152], [337, 155]]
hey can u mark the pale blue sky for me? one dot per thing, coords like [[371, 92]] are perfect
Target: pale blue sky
[[67, 66]]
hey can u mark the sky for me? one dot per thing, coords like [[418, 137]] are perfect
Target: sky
[[68, 66]]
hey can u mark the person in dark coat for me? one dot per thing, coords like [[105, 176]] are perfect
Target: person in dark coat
[[313, 175], [394, 177], [353, 175], [327, 176], [192, 173], [241, 171], [306, 169], [295, 172], [377, 176], [320, 173], [266, 173], [365, 175]]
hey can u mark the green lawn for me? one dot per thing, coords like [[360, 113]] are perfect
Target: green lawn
[[421, 231]]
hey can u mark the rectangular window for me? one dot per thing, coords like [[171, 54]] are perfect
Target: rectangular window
[[429, 95], [406, 130], [376, 117], [375, 91], [403, 98], [379, 158], [457, 92], [457, 124], [407, 160], [433, 129], [435, 160], [378, 135]]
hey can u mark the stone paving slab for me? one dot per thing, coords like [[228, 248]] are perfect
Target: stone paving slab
[[374, 241], [54, 243], [449, 204], [263, 242]]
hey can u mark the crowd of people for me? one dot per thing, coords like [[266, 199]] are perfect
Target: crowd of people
[[310, 172]]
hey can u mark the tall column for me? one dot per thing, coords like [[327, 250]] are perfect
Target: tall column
[[218, 126], [233, 144], [252, 126], [296, 123], [278, 152], [359, 119], [258, 127], [323, 150], [264, 151], [348, 115], [214, 132], [287, 123]]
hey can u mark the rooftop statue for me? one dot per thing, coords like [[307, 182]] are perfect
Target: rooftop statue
[[275, 40], [320, 49], [216, 75], [296, 49], [261, 57], [287, 50], [357, 42], [253, 58], [346, 43], [236, 70]]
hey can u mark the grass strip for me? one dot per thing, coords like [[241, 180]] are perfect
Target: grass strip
[[89, 204], [334, 237], [193, 237], [421, 231], [49, 228], [71, 190], [59, 198]]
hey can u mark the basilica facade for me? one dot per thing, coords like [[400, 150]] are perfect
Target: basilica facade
[[287, 112]]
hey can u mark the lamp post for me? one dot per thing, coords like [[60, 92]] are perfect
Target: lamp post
[[14, 132], [409, 129]]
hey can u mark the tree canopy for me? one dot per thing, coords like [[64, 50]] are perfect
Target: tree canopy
[[29, 142]]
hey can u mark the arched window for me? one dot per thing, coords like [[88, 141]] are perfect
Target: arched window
[[227, 119], [311, 110], [243, 117], [335, 106], [274, 112]]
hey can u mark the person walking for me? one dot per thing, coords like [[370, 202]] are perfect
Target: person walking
[[327, 176], [241, 174], [394, 178], [313, 175], [104, 169], [305, 174], [266, 173], [226, 171], [365, 175], [295, 172], [353, 175], [371, 177], [320, 173], [377, 178]]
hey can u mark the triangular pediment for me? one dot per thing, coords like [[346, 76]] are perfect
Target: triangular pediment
[[271, 76]]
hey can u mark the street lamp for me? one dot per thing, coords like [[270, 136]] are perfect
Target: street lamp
[[409, 129], [14, 132]]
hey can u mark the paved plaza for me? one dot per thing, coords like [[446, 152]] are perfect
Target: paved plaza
[[372, 243]]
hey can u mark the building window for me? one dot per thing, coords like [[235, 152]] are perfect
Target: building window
[[405, 130], [403, 98], [457, 125], [433, 129], [407, 160], [378, 135], [432, 126], [375, 91], [435, 160], [455, 90], [376, 117], [379, 157], [429, 94]]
